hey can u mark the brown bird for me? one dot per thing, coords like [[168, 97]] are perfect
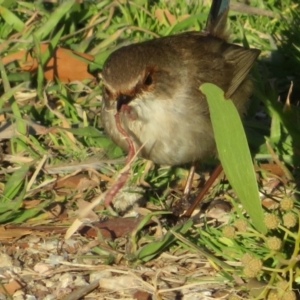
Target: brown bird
[[154, 85]]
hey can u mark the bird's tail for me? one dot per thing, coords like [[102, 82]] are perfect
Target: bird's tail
[[216, 24]]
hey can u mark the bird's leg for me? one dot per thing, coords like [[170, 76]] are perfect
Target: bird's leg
[[215, 174]]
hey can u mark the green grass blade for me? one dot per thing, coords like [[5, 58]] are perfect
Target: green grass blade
[[54, 19], [234, 152], [15, 182], [186, 23], [11, 19], [21, 127], [151, 250]]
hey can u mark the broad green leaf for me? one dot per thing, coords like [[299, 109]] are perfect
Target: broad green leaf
[[234, 152]]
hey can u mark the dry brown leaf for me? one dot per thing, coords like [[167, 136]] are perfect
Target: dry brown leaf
[[8, 131], [272, 168], [142, 295], [112, 228], [160, 14], [10, 288], [171, 18], [269, 203], [30, 203], [181, 183], [79, 182], [2, 118], [81, 204], [63, 64], [13, 233], [37, 230], [120, 282]]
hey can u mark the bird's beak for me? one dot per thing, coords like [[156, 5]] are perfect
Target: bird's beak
[[123, 99]]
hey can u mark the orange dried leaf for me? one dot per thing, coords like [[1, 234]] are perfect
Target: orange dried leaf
[[10, 288], [63, 64], [79, 182]]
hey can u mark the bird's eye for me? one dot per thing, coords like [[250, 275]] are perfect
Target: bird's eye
[[148, 80]]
